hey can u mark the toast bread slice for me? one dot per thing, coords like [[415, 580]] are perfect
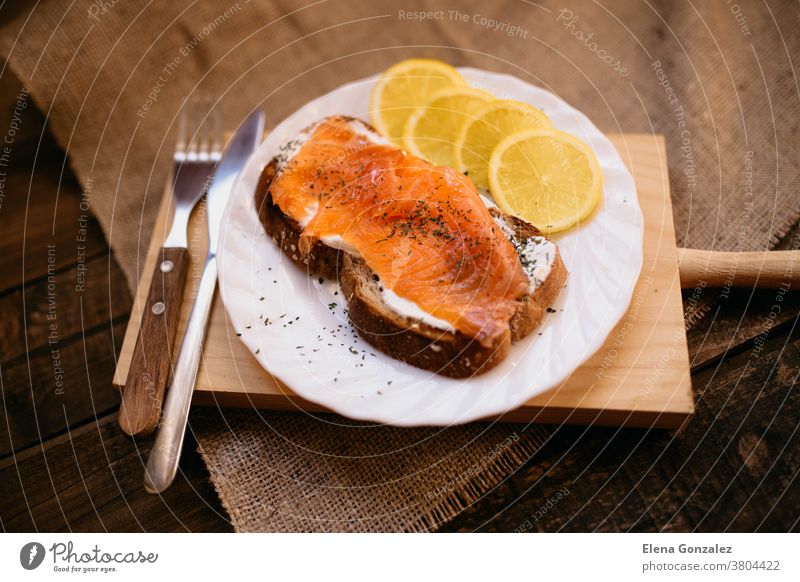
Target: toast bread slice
[[447, 352]]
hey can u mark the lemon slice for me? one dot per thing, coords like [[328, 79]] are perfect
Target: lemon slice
[[431, 131], [403, 88], [493, 122], [547, 177]]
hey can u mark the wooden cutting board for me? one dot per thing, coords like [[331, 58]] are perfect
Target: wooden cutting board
[[639, 378]]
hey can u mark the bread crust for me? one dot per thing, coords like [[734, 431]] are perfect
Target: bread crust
[[450, 353], [533, 307], [321, 260]]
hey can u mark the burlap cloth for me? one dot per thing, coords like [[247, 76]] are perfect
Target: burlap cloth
[[715, 77]]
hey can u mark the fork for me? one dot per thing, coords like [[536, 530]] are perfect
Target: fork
[[196, 153]]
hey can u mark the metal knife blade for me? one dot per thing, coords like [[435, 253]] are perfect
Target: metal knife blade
[[242, 144]]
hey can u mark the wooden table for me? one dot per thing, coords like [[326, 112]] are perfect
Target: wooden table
[[65, 465]]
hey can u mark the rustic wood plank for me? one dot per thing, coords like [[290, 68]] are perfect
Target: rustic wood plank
[[73, 300], [35, 474], [90, 479], [48, 391], [53, 260]]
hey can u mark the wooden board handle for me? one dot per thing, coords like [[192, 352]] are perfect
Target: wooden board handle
[[151, 361], [765, 270]]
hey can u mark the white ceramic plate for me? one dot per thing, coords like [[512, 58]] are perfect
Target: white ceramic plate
[[310, 346]]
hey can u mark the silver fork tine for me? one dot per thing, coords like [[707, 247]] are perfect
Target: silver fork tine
[[180, 142], [194, 113], [204, 131], [216, 146]]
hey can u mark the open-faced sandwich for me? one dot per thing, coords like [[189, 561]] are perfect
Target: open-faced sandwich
[[433, 273]]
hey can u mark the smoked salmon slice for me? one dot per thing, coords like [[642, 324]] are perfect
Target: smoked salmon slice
[[423, 229]]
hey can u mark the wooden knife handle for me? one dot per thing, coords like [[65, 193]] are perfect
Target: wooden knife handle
[[765, 270], [151, 361]]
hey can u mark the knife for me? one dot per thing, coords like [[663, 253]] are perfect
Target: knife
[[196, 153], [163, 462]]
